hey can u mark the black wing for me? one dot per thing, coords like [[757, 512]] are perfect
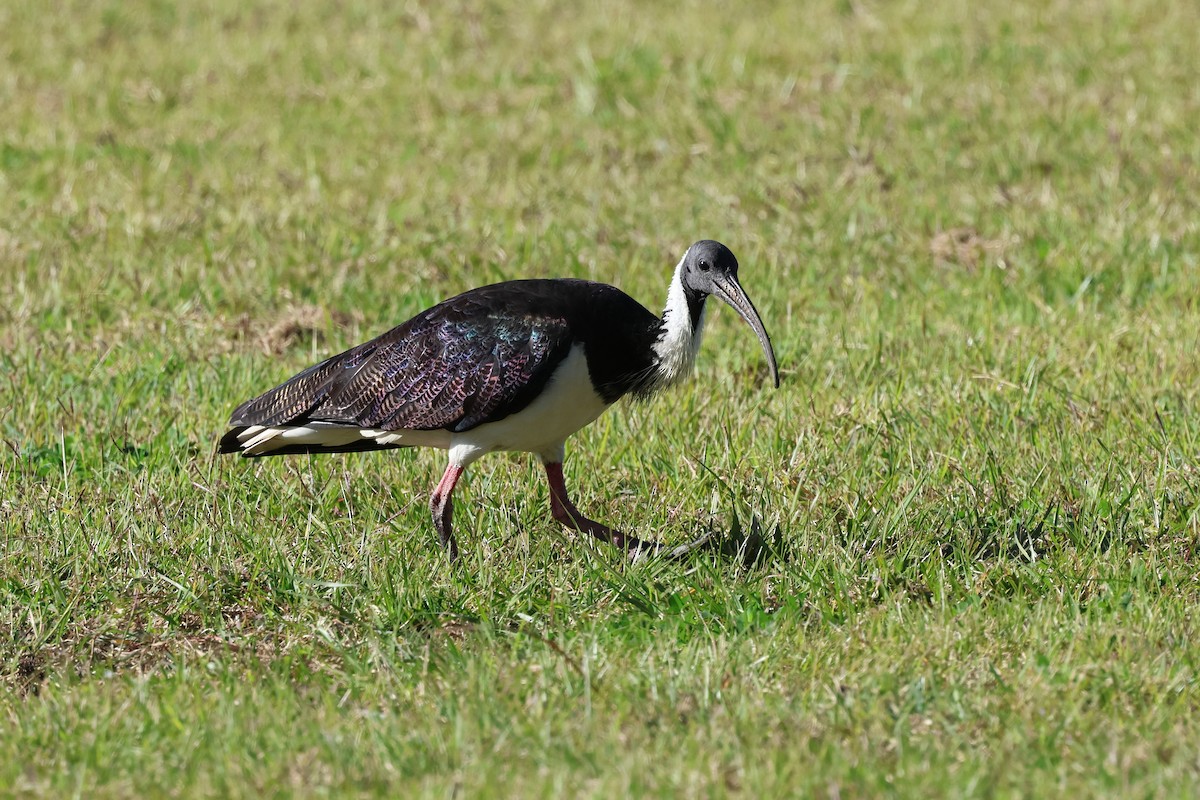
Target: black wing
[[480, 356]]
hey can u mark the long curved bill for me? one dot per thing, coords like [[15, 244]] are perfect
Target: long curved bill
[[729, 290]]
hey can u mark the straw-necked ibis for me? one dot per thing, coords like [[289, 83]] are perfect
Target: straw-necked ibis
[[519, 365]]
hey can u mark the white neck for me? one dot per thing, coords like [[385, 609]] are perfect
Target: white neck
[[678, 342]]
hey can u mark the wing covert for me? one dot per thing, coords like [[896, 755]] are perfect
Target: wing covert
[[454, 366]]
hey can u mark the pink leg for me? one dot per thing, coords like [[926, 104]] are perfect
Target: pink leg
[[569, 516], [442, 508]]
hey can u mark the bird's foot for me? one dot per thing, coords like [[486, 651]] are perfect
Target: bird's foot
[[644, 551], [635, 549]]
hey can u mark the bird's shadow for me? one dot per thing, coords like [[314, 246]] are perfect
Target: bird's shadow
[[752, 545]]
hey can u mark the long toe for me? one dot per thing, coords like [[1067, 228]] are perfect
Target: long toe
[[643, 551], [683, 550]]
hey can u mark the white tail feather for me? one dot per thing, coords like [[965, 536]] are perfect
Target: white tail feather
[[259, 440]]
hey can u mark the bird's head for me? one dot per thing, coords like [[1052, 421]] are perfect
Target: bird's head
[[710, 268]]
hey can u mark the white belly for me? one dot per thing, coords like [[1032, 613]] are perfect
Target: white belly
[[567, 403]]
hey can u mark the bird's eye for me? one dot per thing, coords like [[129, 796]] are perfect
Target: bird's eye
[[704, 266]]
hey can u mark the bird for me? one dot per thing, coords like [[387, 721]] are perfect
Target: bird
[[513, 366]]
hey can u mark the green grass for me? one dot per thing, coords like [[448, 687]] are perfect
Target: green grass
[[972, 232]]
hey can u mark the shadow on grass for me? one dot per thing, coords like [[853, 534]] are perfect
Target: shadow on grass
[[752, 546]]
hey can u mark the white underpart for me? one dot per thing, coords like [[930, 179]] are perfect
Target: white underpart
[[566, 404], [679, 342]]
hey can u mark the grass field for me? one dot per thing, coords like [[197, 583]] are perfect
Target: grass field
[[974, 234]]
